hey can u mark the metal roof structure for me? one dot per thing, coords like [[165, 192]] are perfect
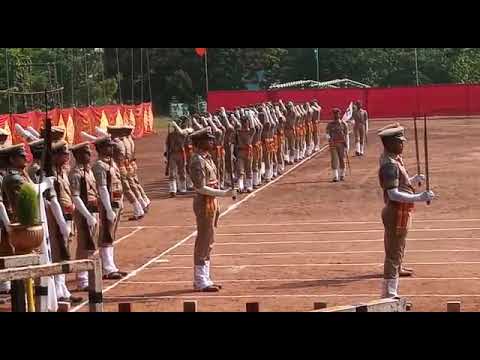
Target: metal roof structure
[[338, 83]]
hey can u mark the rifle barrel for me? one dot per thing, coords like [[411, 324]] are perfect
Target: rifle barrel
[[427, 170], [417, 147]]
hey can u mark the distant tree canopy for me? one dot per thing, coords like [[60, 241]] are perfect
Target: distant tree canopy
[[92, 75]]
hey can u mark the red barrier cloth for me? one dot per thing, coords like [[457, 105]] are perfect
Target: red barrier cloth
[[388, 103]]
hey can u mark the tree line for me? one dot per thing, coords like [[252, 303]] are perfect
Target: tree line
[[99, 76]]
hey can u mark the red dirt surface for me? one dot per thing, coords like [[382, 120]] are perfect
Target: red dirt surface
[[303, 239]]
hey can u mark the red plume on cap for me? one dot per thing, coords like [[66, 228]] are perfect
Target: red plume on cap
[[201, 51]]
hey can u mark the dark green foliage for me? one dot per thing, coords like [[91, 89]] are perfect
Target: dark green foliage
[[28, 206]]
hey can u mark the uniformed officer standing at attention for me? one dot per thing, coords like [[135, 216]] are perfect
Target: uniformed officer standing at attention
[[399, 197], [60, 209], [337, 132], [85, 197], [360, 129], [205, 205], [109, 188]]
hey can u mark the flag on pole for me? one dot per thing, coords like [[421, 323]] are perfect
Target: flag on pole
[[201, 51]]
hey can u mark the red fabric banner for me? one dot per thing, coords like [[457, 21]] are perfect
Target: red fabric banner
[[387, 103], [83, 120], [25, 120], [76, 120], [231, 99], [139, 121]]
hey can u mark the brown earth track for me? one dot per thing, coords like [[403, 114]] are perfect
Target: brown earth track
[[329, 235]]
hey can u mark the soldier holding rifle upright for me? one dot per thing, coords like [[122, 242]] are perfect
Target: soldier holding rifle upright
[[399, 197]]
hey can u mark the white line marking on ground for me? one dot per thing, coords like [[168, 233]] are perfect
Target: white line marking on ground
[[137, 229], [376, 295], [330, 252], [327, 222], [320, 222], [313, 265], [159, 227], [230, 208], [224, 243], [337, 232], [293, 280]]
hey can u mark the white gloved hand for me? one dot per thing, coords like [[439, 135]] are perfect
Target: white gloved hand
[[426, 196], [111, 216], [91, 221], [65, 231], [418, 178], [47, 184], [49, 181], [327, 137], [229, 193]]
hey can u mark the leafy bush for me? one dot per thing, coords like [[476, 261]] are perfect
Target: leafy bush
[[28, 206]]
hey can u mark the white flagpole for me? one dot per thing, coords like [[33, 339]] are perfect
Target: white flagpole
[[206, 71], [416, 66]]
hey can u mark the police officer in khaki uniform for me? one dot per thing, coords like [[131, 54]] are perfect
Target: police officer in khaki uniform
[[291, 133], [34, 168], [109, 187], [280, 146], [300, 132], [245, 153], [316, 124], [258, 156], [228, 145], [218, 153], [132, 169], [59, 212], [267, 139], [85, 197], [205, 205], [399, 197], [177, 159], [16, 175], [360, 129], [121, 156], [131, 165], [337, 132]]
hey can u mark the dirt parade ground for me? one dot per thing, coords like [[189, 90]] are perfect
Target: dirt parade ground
[[302, 239]]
